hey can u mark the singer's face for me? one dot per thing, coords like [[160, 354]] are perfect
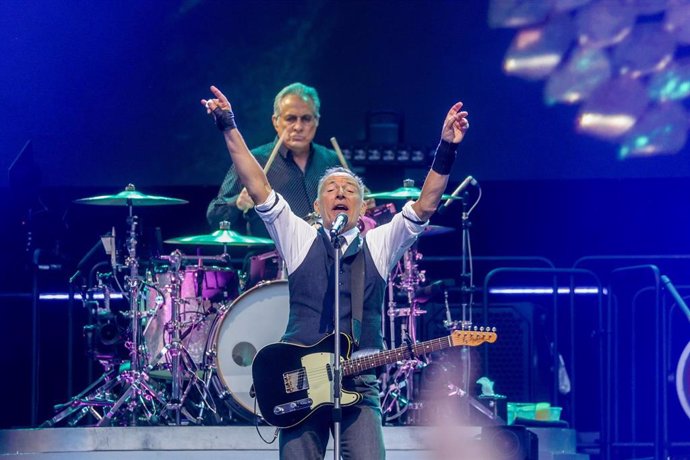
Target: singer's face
[[339, 194]]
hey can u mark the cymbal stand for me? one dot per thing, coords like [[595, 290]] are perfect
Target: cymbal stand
[[176, 343], [137, 390]]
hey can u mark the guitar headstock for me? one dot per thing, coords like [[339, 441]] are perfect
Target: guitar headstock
[[473, 337]]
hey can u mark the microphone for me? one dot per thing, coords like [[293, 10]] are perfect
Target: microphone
[[338, 225], [459, 189]]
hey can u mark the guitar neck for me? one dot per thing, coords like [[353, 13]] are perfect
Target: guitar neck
[[358, 365]]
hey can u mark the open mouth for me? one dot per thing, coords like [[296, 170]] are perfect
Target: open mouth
[[340, 207]]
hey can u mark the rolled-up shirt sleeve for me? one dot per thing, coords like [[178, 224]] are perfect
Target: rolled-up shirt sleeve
[[388, 242], [292, 235]]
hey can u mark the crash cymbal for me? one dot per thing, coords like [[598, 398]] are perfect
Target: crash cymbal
[[404, 193], [130, 197], [222, 237], [433, 230]]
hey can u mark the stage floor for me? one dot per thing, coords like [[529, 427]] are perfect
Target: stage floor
[[243, 443]]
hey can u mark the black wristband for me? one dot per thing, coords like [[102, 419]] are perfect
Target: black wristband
[[444, 157], [225, 119]]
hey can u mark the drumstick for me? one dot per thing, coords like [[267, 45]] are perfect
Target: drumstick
[[271, 157], [339, 152], [274, 152]]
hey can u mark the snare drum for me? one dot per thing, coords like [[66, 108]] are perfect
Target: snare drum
[[255, 319], [202, 292]]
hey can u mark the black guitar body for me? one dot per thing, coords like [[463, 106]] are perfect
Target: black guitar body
[[292, 382]]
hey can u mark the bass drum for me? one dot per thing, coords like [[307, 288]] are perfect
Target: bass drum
[[255, 319]]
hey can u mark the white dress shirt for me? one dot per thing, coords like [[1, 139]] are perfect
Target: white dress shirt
[[294, 237]]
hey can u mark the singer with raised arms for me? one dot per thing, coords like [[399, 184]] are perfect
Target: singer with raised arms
[[366, 262]]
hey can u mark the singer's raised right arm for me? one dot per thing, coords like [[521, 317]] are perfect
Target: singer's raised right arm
[[248, 169]]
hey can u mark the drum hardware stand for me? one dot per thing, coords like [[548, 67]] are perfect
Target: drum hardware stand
[[206, 399], [402, 387], [410, 277], [175, 402], [137, 390], [181, 363]]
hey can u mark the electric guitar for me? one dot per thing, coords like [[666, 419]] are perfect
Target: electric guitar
[[292, 382]]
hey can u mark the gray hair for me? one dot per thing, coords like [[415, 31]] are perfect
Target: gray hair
[[307, 93], [340, 169]]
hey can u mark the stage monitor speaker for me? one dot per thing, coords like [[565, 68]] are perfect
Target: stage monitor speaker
[[512, 442]]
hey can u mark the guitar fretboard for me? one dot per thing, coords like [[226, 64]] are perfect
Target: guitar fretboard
[[358, 365]]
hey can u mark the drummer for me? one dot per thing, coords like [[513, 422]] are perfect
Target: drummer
[[295, 171], [309, 260]]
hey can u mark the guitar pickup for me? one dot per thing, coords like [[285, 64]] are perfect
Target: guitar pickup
[[296, 380], [293, 406]]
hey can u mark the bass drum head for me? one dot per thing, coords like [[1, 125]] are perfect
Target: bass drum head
[[255, 319]]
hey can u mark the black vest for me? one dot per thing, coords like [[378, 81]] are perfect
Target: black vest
[[312, 292]]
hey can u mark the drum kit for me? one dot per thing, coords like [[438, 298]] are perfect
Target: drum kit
[[194, 325]]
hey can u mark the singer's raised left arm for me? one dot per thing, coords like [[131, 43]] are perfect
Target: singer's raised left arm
[[454, 128]]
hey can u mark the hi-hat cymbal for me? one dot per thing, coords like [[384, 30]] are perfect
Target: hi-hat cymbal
[[222, 237], [433, 230], [130, 197], [404, 193]]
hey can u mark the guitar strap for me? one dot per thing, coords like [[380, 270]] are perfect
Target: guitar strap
[[357, 294]]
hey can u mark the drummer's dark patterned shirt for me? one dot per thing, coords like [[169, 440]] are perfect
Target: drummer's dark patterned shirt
[[299, 189]]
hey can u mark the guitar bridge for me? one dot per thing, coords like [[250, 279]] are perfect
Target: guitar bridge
[[296, 380]]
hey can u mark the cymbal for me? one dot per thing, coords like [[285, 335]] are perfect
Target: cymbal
[[433, 230], [130, 197], [404, 193], [222, 237]]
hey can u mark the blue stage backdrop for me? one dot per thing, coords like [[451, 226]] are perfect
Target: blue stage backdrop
[[109, 92]]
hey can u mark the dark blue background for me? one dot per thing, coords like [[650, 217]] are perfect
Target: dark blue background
[[108, 91]]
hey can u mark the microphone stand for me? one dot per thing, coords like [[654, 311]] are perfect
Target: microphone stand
[[467, 287], [337, 371], [467, 290]]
